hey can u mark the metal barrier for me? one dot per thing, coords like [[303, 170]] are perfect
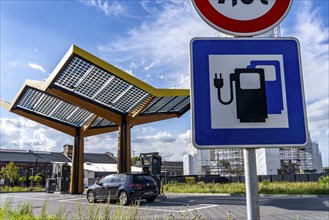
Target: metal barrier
[[224, 179]]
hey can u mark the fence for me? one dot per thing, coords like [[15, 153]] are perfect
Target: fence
[[241, 179]]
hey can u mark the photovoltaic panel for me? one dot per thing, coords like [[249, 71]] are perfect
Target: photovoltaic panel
[[29, 99], [184, 104], [172, 103], [93, 82], [129, 99], [73, 73], [49, 106], [112, 91], [159, 104]]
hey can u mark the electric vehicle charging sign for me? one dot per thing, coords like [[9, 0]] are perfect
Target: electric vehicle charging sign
[[247, 93], [242, 17]]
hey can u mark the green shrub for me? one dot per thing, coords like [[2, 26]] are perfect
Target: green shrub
[[22, 180], [38, 179], [26, 209], [323, 182], [190, 179]]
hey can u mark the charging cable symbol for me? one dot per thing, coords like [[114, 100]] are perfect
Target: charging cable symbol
[[250, 93]]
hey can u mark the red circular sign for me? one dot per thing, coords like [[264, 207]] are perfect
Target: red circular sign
[[242, 17]]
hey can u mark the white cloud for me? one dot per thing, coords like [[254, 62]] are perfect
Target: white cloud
[[186, 137], [144, 129], [36, 67], [162, 136], [149, 66], [151, 6], [102, 143], [318, 117], [114, 8], [164, 41], [171, 146], [20, 133], [13, 63], [133, 65], [312, 32], [318, 114]]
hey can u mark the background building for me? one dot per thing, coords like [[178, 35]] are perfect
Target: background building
[[172, 168], [32, 162], [270, 161]]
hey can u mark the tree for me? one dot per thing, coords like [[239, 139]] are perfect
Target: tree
[[135, 161], [42, 175], [38, 179], [10, 172], [22, 180]]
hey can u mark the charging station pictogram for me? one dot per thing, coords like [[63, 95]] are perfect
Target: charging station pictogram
[[249, 86], [247, 92]]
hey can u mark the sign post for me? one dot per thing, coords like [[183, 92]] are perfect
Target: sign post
[[247, 93], [234, 101], [250, 172]]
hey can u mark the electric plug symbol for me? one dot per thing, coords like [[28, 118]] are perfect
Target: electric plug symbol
[[219, 83]]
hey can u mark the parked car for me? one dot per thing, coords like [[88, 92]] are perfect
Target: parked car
[[124, 187]]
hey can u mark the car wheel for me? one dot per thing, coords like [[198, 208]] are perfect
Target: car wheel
[[91, 196], [123, 198], [150, 199]]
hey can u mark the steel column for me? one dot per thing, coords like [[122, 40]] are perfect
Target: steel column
[[77, 172], [124, 147]]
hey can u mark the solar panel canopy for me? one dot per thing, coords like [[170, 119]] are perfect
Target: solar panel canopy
[[88, 93]]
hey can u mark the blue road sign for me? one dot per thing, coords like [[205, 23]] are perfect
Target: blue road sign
[[247, 93]]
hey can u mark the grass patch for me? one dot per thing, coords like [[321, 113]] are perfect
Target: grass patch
[[7, 189], [90, 211], [302, 188], [201, 187]]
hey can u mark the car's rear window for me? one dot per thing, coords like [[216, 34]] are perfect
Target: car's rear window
[[142, 179]]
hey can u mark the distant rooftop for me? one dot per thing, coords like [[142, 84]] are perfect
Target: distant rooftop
[[29, 156]]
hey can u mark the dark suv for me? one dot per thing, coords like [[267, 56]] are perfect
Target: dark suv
[[124, 187]]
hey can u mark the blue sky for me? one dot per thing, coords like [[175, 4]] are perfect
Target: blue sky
[[148, 39]]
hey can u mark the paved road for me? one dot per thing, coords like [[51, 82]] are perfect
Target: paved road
[[178, 206]]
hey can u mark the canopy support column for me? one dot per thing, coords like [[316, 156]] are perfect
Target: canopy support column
[[77, 172], [124, 146]]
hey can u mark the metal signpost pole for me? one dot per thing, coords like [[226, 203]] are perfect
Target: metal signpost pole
[[251, 182]]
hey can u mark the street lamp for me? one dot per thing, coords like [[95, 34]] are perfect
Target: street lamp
[[32, 180]]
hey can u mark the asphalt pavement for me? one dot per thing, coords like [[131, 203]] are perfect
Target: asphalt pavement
[[179, 206]]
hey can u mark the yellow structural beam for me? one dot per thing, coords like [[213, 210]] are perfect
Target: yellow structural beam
[[47, 122], [96, 131], [150, 118]]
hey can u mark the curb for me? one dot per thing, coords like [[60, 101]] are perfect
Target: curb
[[243, 195]]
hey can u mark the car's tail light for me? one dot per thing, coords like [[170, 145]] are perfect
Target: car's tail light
[[135, 186]]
